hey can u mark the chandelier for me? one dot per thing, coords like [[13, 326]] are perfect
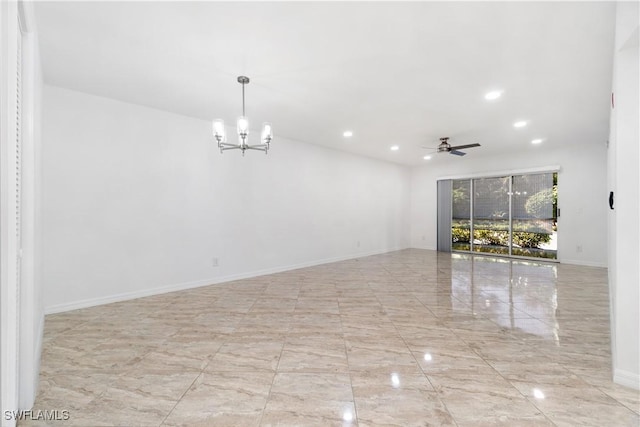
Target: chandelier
[[243, 130]]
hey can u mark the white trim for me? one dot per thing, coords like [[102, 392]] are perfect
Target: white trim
[[553, 168], [38, 346], [30, 339], [9, 290], [425, 247], [584, 263], [91, 302], [626, 378]]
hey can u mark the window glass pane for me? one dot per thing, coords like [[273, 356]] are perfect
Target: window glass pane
[[534, 203], [461, 215], [491, 215]]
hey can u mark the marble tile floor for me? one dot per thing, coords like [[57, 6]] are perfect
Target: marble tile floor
[[408, 338]]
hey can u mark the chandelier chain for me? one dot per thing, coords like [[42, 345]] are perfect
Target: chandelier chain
[[243, 113]]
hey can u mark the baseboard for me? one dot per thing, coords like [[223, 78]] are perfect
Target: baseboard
[[584, 263], [426, 247], [92, 302], [38, 350], [626, 378]]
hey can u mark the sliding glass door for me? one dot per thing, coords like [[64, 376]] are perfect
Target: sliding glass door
[[534, 219], [512, 215], [491, 215]]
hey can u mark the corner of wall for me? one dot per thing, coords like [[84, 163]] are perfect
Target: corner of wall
[[627, 379]]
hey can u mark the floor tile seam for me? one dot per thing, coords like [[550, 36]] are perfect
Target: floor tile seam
[[487, 362], [244, 370], [544, 414], [181, 397], [508, 332], [550, 323], [437, 393], [346, 355], [635, 411], [225, 340], [461, 301], [99, 395], [255, 301], [600, 390], [511, 304], [273, 380], [392, 275], [603, 391], [426, 375], [422, 370], [109, 385], [130, 368], [526, 398], [461, 338], [83, 322], [311, 371], [573, 332], [425, 306]]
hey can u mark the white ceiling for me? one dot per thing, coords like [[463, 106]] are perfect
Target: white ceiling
[[393, 73]]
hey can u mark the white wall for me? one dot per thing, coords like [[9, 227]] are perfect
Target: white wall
[[137, 201], [624, 180], [582, 195]]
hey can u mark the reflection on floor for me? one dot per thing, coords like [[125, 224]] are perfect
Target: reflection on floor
[[412, 337]]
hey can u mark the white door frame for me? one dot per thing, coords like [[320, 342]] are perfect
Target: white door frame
[[8, 254], [19, 311]]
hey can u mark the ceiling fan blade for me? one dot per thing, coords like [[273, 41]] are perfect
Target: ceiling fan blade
[[457, 153], [462, 147]]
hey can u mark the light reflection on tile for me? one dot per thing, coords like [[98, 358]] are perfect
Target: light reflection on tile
[[403, 338]]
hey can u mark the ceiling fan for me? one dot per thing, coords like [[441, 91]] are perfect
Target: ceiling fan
[[445, 147]]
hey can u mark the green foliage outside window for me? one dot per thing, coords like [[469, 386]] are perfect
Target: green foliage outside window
[[523, 239]]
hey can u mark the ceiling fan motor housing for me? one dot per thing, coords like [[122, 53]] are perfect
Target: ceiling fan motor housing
[[444, 147]]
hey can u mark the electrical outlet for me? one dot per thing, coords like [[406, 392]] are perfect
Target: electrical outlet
[[214, 262], [424, 237], [579, 248], [358, 244]]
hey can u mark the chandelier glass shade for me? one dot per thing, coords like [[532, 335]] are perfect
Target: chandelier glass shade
[[242, 128]]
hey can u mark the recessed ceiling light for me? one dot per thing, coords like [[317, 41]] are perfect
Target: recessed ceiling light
[[538, 394], [427, 157], [494, 94], [394, 148], [520, 124], [536, 141], [347, 134]]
